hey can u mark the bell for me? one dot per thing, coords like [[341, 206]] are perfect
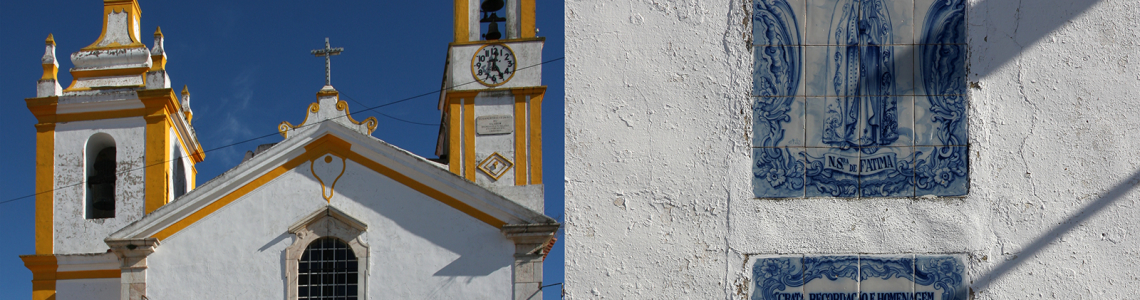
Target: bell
[[492, 31], [491, 5]]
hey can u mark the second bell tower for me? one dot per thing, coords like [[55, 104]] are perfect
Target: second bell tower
[[491, 102]]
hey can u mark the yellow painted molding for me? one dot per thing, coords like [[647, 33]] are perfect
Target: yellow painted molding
[[43, 269], [45, 189], [43, 108], [50, 72], [528, 39], [285, 126], [156, 162], [454, 146], [89, 274], [370, 122], [520, 140], [469, 139], [527, 18], [462, 8], [109, 72], [50, 40], [134, 14], [327, 144], [536, 136], [158, 63]]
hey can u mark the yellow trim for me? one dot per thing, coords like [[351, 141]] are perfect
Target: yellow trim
[[110, 72], [285, 126], [514, 68], [89, 274], [370, 122], [50, 40], [483, 165], [520, 139], [462, 8], [536, 136], [158, 63], [50, 72], [43, 269], [159, 105], [529, 39], [134, 14], [331, 186], [454, 147], [45, 188], [327, 144], [527, 18], [469, 139]]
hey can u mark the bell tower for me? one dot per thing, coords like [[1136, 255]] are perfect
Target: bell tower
[[491, 102], [113, 146]]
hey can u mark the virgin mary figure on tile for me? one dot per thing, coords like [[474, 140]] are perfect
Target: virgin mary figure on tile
[[861, 106]]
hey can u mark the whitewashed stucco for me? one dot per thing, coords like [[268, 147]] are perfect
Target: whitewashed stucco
[[93, 289], [659, 202], [73, 232], [419, 248]]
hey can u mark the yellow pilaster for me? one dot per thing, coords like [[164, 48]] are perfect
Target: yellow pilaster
[[43, 269], [536, 136], [469, 139], [45, 188], [461, 21], [455, 146], [160, 104], [520, 139], [527, 18]]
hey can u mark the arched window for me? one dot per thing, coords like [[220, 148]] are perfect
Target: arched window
[[179, 173], [328, 269], [100, 159]]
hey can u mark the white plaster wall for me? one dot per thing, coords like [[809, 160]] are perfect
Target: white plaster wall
[[658, 177], [93, 289], [73, 232], [419, 248], [488, 104]]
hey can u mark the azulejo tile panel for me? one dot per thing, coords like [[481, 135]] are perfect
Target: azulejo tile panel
[[863, 98], [857, 277]]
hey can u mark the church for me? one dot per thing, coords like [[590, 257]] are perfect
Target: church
[[328, 212]]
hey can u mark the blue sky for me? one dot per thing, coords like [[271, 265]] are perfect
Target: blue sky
[[248, 67]]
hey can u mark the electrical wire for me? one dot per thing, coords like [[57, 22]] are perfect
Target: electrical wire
[[276, 133]]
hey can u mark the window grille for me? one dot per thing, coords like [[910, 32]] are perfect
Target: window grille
[[327, 270]]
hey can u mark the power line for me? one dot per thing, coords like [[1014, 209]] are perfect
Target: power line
[[275, 133]]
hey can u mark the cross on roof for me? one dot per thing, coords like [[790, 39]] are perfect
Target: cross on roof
[[328, 52]]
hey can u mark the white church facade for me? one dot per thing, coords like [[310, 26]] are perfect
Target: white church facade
[[329, 212]]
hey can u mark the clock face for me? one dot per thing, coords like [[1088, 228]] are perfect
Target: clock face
[[493, 64]]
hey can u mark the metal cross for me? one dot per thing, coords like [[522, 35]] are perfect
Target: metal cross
[[327, 52]]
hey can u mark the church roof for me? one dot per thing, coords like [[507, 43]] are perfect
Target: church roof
[[328, 129]]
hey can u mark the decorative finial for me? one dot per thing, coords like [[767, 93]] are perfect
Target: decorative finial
[[185, 90], [328, 52], [186, 103], [158, 32], [50, 40]]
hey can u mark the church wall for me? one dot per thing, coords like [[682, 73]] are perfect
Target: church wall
[[659, 156], [93, 289], [492, 104], [418, 247], [73, 232]]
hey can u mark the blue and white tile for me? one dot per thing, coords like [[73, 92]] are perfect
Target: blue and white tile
[[940, 121], [940, 21], [778, 121], [817, 77], [777, 172], [778, 22], [941, 70], [824, 126], [831, 275], [889, 70], [942, 171], [887, 123], [777, 71], [940, 277], [886, 276], [832, 22], [777, 277], [886, 172], [831, 172], [887, 22]]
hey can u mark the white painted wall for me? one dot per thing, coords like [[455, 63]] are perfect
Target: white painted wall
[[489, 104], [658, 128], [73, 232], [419, 247], [94, 289]]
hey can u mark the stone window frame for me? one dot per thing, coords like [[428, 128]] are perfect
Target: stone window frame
[[326, 222]]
